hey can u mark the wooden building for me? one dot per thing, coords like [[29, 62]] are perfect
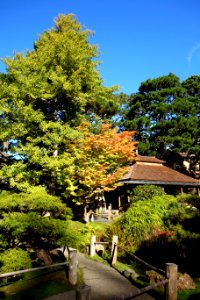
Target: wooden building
[[151, 170]]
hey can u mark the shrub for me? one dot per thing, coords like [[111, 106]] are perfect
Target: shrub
[[31, 221], [190, 200], [14, 260], [80, 233], [146, 192], [141, 219]]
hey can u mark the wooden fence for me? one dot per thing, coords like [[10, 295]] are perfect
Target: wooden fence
[[83, 292], [70, 266], [170, 273]]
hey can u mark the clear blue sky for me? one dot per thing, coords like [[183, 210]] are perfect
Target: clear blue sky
[[138, 39]]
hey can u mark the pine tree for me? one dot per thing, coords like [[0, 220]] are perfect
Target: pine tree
[[165, 114]]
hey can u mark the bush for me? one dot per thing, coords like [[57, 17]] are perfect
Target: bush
[[190, 200], [79, 234], [31, 221], [141, 219], [14, 260], [146, 192]]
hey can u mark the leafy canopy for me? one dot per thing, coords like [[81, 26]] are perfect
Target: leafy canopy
[[53, 145], [33, 219], [165, 115], [45, 95], [101, 158]]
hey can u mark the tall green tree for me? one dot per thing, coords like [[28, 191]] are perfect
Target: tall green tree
[[45, 94], [189, 111], [165, 114]]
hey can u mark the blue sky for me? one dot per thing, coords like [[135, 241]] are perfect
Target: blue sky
[[137, 39]]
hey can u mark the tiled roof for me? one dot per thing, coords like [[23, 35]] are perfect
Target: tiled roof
[[153, 171], [150, 159]]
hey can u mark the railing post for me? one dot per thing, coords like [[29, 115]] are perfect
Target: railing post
[[114, 249], [92, 245], [171, 286], [73, 262], [114, 241]]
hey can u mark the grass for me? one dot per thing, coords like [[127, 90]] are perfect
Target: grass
[[190, 294], [38, 286], [39, 292], [98, 258]]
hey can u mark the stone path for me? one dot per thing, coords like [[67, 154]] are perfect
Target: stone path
[[105, 281], [71, 295]]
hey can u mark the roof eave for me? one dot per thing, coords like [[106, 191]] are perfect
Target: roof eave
[[196, 184]]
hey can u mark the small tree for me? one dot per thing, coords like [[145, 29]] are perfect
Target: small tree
[[32, 222], [101, 158]]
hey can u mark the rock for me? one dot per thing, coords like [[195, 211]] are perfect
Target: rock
[[130, 273], [127, 274], [154, 276], [185, 282]]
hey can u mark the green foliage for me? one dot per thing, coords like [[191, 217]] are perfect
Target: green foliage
[[165, 115], [76, 236], [141, 219], [37, 200], [45, 95], [174, 245], [98, 229], [190, 200], [14, 260], [33, 230], [32, 221], [146, 192], [163, 229], [80, 233], [3, 242]]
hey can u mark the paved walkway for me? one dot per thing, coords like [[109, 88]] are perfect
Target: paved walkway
[[71, 295], [105, 281]]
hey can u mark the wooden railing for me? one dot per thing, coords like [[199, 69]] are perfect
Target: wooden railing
[[169, 283], [170, 273], [71, 267], [82, 292]]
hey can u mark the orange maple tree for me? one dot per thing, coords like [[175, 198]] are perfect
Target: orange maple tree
[[102, 158]]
